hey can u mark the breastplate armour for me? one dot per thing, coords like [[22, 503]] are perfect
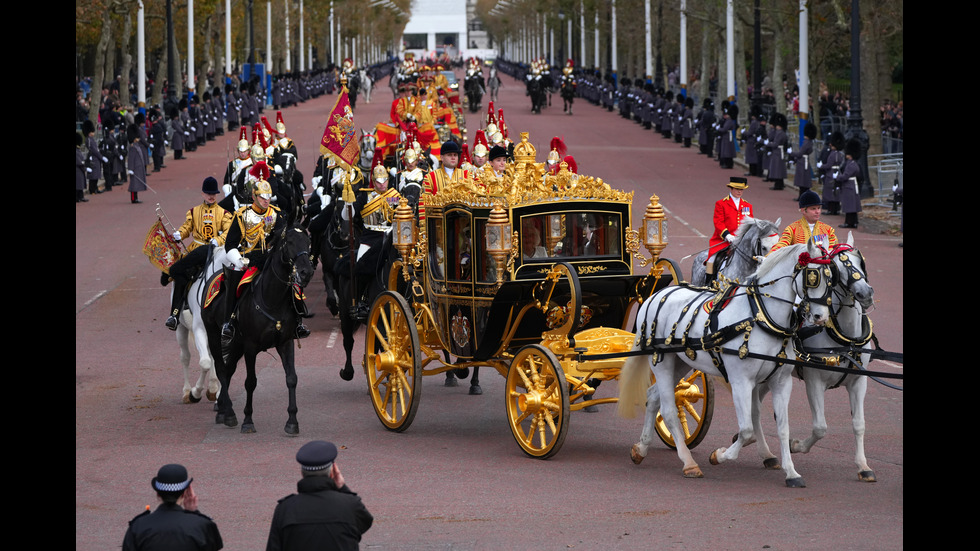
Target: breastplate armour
[[257, 228]]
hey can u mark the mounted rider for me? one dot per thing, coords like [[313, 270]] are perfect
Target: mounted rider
[[809, 226], [372, 210], [207, 223], [254, 232], [729, 213]]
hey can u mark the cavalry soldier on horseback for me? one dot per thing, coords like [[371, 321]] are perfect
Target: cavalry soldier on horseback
[[252, 235], [729, 213], [206, 223], [373, 210], [412, 178]]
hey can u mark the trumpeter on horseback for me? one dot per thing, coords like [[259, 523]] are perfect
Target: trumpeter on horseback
[[252, 235], [206, 223]]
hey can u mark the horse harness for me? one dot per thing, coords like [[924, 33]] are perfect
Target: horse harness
[[713, 338], [850, 349]]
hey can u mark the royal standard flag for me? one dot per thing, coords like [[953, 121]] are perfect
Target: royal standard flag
[[339, 136]]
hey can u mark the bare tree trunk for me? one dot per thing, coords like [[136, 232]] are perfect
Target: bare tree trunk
[[705, 81], [741, 79], [158, 89], [98, 78], [127, 59], [779, 38]]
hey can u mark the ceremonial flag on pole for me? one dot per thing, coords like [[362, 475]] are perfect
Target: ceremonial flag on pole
[[339, 136], [160, 248]]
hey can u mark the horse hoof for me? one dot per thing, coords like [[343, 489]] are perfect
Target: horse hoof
[[347, 374], [212, 396], [230, 421], [635, 455], [771, 463], [475, 390], [215, 406], [714, 458], [292, 429], [191, 399], [867, 476], [248, 428], [795, 483], [186, 399], [693, 472], [451, 381]]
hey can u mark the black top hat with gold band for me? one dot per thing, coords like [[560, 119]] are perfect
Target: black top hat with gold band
[[737, 182]]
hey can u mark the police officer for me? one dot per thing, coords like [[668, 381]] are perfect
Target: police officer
[[176, 523], [325, 513]]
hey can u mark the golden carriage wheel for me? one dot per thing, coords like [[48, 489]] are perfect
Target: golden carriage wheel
[[537, 401], [392, 357], [695, 399]]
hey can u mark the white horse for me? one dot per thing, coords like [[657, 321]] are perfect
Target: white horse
[[191, 323], [367, 144], [493, 83], [366, 85], [840, 340], [734, 336], [754, 239]]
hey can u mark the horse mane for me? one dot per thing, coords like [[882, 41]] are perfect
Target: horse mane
[[775, 258]]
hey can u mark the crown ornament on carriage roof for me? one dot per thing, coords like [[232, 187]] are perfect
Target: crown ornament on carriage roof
[[526, 181]]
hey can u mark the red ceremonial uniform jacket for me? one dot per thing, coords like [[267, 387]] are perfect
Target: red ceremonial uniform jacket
[[727, 218], [436, 180]]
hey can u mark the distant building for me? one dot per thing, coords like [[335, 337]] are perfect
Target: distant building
[[444, 26]]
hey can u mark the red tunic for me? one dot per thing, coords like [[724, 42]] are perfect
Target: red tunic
[[726, 219]]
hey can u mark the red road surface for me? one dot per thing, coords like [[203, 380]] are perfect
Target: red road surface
[[456, 479]]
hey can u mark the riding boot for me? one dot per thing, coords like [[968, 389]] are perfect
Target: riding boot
[[232, 279], [180, 286]]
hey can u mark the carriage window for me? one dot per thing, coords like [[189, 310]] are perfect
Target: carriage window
[[437, 249], [570, 235], [459, 246], [488, 266]]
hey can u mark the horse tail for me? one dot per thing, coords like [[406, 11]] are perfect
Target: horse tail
[[634, 380]]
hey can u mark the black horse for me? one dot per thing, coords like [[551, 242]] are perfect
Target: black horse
[[267, 315], [474, 91], [537, 93]]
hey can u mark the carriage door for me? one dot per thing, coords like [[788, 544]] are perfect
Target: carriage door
[[461, 265]]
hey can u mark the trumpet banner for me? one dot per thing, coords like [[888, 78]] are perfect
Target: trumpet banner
[[160, 248]]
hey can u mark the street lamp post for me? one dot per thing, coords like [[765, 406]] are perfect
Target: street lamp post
[[855, 123]]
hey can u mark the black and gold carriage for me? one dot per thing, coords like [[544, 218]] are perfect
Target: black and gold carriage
[[530, 274]]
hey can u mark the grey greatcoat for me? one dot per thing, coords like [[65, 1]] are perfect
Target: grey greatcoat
[[846, 181], [801, 157], [94, 159], [834, 160], [777, 157], [726, 148], [137, 163]]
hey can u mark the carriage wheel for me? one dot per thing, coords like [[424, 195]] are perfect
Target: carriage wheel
[[537, 401], [695, 398], [392, 361]]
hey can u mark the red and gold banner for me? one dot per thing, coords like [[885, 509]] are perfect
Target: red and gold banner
[[160, 248], [339, 137]]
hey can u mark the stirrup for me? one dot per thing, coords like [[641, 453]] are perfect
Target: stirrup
[[302, 331], [227, 332], [171, 322]]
